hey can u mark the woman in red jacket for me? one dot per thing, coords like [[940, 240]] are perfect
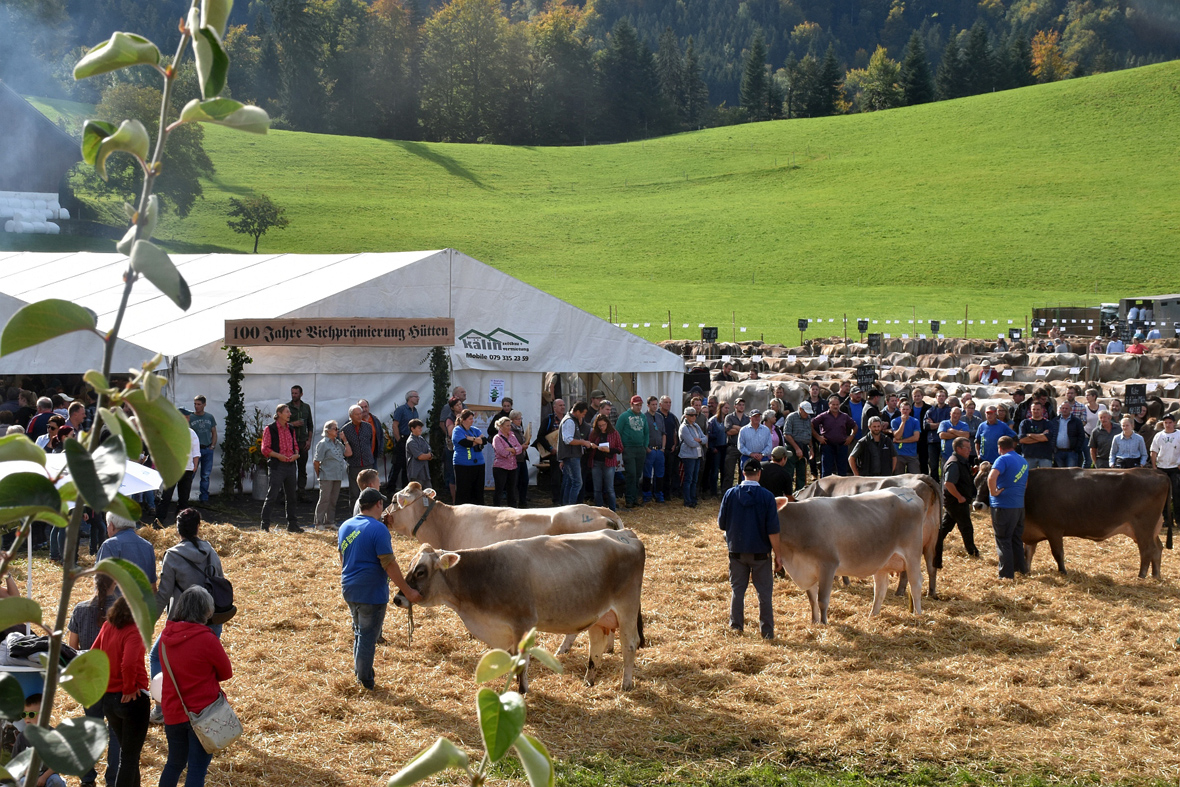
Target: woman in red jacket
[[126, 704], [198, 663]]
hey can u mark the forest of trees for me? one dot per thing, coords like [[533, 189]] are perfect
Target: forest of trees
[[554, 72]]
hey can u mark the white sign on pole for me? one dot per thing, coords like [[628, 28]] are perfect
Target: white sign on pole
[[700, 359], [700, 325], [1075, 370], [725, 359], [743, 330], [1042, 372], [1171, 386], [686, 325], [756, 358], [665, 325], [887, 336], [823, 359], [791, 358], [905, 336], [647, 325], [1006, 373], [1152, 386]]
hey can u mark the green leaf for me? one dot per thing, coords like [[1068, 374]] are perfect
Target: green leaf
[[44, 320], [215, 14], [87, 677], [18, 609], [137, 590], [527, 641], [19, 448], [97, 381], [212, 61], [152, 263], [52, 519], [226, 112], [72, 747], [120, 51], [118, 423], [18, 765], [12, 698], [97, 477], [126, 508], [538, 765], [501, 719], [166, 433], [27, 494], [494, 664], [153, 217], [441, 755], [153, 385], [546, 658], [130, 137]]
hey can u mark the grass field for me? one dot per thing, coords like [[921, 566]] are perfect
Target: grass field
[[1049, 680], [1056, 193]]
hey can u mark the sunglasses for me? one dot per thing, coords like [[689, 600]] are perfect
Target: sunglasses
[[30, 714]]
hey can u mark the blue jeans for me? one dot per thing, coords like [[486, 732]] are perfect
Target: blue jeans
[[834, 459], [184, 749], [57, 542], [653, 468], [604, 485], [1068, 458], [571, 480], [206, 471], [95, 712], [1033, 464], [367, 620], [692, 471]]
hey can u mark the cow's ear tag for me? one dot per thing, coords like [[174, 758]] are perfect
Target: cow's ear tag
[[448, 560], [429, 493]]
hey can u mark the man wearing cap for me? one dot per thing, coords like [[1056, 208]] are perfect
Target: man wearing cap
[[1165, 456], [797, 435], [749, 517], [1022, 408], [1137, 346], [754, 439], [874, 454], [988, 375], [907, 430], [653, 466], [872, 410], [775, 475], [633, 430], [367, 563], [835, 432], [1115, 345], [987, 436], [855, 408], [734, 422]]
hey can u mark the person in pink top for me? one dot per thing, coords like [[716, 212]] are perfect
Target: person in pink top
[[195, 665], [507, 448]]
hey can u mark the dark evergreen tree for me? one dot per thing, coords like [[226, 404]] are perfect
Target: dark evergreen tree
[[979, 68], [696, 92], [670, 72], [808, 85], [827, 90], [754, 80], [790, 74], [629, 97], [916, 83], [1020, 63], [950, 81]]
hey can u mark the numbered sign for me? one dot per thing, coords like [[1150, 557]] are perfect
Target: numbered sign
[[1015, 334], [862, 325], [935, 325], [802, 324]]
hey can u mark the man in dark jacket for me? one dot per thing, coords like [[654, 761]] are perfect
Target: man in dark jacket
[[1067, 436], [871, 410], [958, 490], [874, 454], [749, 518], [775, 475]]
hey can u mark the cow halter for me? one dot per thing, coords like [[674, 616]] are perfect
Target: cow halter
[[422, 519]]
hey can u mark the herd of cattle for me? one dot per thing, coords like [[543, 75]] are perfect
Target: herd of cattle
[[575, 568]]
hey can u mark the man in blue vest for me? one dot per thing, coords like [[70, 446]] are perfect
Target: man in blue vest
[[1006, 482]]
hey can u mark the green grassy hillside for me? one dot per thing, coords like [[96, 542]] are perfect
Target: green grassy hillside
[[1064, 192]]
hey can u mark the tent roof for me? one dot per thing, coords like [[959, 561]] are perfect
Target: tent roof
[[388, 284]]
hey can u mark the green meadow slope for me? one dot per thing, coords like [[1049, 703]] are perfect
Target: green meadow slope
[[1065, 192]]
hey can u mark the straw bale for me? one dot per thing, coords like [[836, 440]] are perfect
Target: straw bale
[[1075, 675]]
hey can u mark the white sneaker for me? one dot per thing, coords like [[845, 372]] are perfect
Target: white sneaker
[[157, 715]]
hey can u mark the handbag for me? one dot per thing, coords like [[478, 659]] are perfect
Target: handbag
[[220, 588], [217, 726]]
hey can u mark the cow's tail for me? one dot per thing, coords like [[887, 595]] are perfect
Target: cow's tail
[[616, 521], [1171, 519], [639, 627]]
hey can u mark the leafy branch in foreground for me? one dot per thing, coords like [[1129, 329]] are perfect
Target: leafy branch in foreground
[[96, 462], [501, 725]]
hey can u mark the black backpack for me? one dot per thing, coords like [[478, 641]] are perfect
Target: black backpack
[[220, 588]]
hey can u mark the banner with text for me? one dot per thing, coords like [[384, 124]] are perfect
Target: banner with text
[[341, 332]]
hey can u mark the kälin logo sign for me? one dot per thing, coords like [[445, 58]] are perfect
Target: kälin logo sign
[[497, 345]]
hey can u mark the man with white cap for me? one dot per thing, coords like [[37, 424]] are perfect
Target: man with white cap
[[988, 375], [797, 434]]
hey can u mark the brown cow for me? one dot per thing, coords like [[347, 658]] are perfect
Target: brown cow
[[1090, 504]]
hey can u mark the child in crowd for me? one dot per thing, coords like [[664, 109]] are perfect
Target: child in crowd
[[32, 717], [418, 455], [366, 479]]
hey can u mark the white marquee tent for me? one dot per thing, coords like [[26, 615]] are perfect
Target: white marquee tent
[[543, 333]]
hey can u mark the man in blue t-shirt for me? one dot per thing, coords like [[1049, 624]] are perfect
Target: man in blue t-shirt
[[1006, 482], [366, 562], [907, 431], [952, 427], [988, 435]]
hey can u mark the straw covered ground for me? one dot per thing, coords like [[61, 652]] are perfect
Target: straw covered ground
[[1075, 677]]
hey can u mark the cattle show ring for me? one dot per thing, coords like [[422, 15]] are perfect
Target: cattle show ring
[[1067, 676]]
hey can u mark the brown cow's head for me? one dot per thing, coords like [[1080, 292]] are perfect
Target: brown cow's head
[[982, 495], [406, 508], [425, 576]]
